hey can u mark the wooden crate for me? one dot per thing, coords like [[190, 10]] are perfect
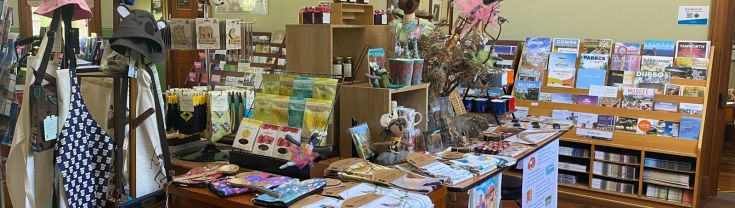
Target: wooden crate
[[351, 14]]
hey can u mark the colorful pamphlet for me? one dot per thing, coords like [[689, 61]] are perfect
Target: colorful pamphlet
[[694, 49], [587, 100], [597, 46], [691, 108], [693, 91], [507, 50], [647, 126], [668, 128], [673, 89], [626, 124], [595, 126], [652, 80], [566, 45], [615, 78], [562, 70], [564, 115], [527, 90], [609, 102], [637, 98], [593, 61], [656, 63], [659, 48], [625, 62], [562, 98], [538, 45], [665, 106], [627, 48], [679, 72], [689, 128], [587, 77], [533, 66], [544, 96]]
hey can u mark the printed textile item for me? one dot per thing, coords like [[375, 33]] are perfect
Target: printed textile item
[[197, 177], [291, 192], [84, 154]]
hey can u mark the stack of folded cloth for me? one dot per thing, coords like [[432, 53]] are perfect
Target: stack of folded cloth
[[364, 195], [354, 169]]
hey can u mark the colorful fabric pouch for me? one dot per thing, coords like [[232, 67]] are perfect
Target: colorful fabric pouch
[[291, 192], [197, 177]]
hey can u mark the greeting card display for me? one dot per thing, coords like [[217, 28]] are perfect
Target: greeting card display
[[208, 35], [182, 34], [233, 32]]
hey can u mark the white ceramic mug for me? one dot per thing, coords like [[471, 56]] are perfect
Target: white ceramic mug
[[413, 118]]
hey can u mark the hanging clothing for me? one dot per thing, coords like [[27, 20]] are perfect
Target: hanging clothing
[[150, 174]]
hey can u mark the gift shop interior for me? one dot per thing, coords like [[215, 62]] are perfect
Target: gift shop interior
[[367, 103]]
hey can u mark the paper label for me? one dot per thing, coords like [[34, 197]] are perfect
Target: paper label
[[308, 200], [384, 19], [219, 103], [387, 176], [186, 102], [453, 155], [326, 18], [342, 164], [693, 15], [360, 200], [419, 160], [603, 91], [335, 191], [50, 127], [132, 73]]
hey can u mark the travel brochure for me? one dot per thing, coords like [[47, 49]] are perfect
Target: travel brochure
[[659, 48], [566, 45], [597, 46], [562, 70]]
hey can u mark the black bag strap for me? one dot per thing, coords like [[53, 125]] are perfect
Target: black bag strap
[[159, 121], [70, 57], [40, 73]]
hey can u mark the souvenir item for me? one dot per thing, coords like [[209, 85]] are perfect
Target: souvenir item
[[271, 84], [291, 192], [316, 116], [492, 147], [401, 71], [303, 87], [318, 201], [265, 140], [223, 188], [397, 197], [283, 146], [286, 84], [233, 35], [361, 139], [279, 110], [324, 88], [413, 118], [246, 134], [200, 176], [296, 112], [80, 8], [208, 36], [44, 126], [428, 165], [219, 110], [139, 32], [262, 106], [150, 139], [182, 34], [477, 164]]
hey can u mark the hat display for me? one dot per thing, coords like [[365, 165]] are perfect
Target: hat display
[[140, 32], [81, 9]]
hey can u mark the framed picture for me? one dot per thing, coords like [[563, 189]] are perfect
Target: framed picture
[[243, 7], [361, 139]]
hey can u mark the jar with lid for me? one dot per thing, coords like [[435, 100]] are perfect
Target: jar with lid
[[337, 66], [347, 67]]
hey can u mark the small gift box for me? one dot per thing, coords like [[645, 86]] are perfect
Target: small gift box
[[379, 17], [307, 15]]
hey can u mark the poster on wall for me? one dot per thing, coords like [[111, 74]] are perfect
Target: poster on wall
[[540, 172], [182, 34], [207, 33], [487, 194], [693, 15], [243, 7]]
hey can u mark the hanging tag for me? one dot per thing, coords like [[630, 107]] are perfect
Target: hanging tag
[[50, 127], [132, 73]]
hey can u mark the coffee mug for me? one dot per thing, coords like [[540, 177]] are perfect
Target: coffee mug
[[413, 118]]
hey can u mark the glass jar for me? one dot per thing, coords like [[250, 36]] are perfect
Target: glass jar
[[347, 67], [337, 66]]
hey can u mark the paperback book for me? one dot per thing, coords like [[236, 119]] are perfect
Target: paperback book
[[507, 50], [693, 91], [625, 62], [566, 45], [629, 78], [597, 46], [615, 78], [691, 108], [564, 115], [595, 126], [593, 61], [656, 63], [533, 66], [609, 102], [689, 128], [673, 89], [628, 48], [626, 124], [587, 100], [562, 70], [659, 48], [668, 128], [637, 98], [652, 80], [587, 77], [538, 45], [562, 98], [691, 68], [679, 72], [527, 90], [647, 126], [694, 49], [665, 106], [544, 96]]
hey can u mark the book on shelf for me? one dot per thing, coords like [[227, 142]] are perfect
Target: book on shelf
[[628, 79], [593, 61], [668, 164], [533, 66], [668, 128], [572, 167], [669, 194], [637, 98], [567, 178], [564, 115], [574, 152], [566, 45], [586, 100], [587, 77], [659, 48], [590, 125], [614, 170], [610, 102], [625, 62], [692, 68], [562, 98], [667, 178], [665, 106], [527, 90], [597, 46], [694, 49], [652, 80], [673, 89], [627, 48], [656, 63], [616, 157], [689, 128], [647, 126], [615, 78], [693, 91], [691, 108], [503, 50], [613, 186], [562, 70], [545, 96], [536, 45], [626, 124], [679, 72]]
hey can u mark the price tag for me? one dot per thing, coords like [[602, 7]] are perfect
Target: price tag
[[342, 164], [334, 192], [309, 200], [186, 102], [387, 176], [132, 72], [453, 155], [419, 160], [220, 103], [50, 127], [360, 200]]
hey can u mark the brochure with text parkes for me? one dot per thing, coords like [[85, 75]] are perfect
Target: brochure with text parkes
[[659, 48], [566, 45], [694, 49], [597, 46], [533, 66], [652, 80], [587, 77], [656, 63], [562, 70], [527, 90], [593, 61], [538, 45], [637, 98], [627, 48], [621, 62]]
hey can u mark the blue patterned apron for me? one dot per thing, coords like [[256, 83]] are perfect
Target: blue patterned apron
[[84, 154]]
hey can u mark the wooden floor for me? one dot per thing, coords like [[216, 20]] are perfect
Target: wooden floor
[[568, 201], [727, 162]]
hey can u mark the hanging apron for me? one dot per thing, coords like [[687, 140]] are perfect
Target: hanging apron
[[84, 154], [150, 173]]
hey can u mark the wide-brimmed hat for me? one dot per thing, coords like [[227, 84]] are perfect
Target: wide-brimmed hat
[[140, 32], [81, 9]]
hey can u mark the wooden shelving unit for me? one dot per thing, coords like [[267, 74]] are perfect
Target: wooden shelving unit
[[351, 14], [638, 144]]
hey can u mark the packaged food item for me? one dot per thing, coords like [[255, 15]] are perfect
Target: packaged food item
[[220, 115], [296, 112], [265, 140], [324, 88], [271, 84], [245, 137], [316, 115], [282, 145], [262, 106], [287, 84], [302, 87], [279, 110]]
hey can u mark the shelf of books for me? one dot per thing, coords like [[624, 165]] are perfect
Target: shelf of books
[[638, 111]]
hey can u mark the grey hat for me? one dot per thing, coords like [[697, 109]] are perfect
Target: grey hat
[[140, 32]]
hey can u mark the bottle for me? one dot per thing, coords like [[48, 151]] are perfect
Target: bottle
[[347, 67], [337, 66], [394, 109]]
